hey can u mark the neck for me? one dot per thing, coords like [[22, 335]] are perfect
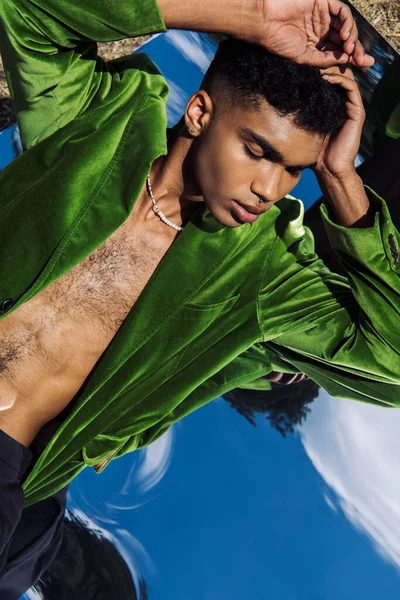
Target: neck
[[173, 185]]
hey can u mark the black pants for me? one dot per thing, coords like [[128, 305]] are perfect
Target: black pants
[[29, 537]]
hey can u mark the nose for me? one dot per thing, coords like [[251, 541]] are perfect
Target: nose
[[266, 184]]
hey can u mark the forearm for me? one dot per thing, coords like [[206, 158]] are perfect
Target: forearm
[[348, 200], [341, 332], [239, 18]]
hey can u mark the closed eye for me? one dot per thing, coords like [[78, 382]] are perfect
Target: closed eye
[[295, 173], [251, 154]]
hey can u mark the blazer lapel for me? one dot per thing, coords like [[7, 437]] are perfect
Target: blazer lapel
[[191, 260]]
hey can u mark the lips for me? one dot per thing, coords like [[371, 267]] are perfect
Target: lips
[[245, 214]]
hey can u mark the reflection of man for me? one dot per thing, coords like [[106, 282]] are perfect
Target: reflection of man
[[285, 406], [116, 324], [88, 567]]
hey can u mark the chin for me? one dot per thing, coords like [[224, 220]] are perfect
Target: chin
[[227, 220], [224, 217]]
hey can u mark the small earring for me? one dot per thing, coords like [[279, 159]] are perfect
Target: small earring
[[191, 129]]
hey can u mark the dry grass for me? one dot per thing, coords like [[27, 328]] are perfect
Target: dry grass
[[384, 15]]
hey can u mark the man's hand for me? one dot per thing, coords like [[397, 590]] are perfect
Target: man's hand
[[286, 378], [335, 169], [315, 32], [340, 149]]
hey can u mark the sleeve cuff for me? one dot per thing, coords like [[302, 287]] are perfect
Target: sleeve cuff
[[148, 14], [381, 241]]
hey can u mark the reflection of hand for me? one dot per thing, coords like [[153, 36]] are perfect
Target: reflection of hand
[[316, 32], [340, 149], [285, 378]]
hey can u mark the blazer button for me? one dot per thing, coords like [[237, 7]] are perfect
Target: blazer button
[[7, 304]]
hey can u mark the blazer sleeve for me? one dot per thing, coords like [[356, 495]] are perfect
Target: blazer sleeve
[[49, 52], [343, 332]]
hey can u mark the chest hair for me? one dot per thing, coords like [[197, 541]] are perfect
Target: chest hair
[[85, 308]]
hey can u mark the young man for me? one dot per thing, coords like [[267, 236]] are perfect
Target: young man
[[116, 323]]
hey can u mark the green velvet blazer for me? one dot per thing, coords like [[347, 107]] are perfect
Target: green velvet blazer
[[225, 306]]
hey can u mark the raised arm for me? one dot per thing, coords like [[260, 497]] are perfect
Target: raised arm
[[317, 32], [50, 57], [342, 332]]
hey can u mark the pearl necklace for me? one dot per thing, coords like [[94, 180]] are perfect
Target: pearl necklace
[[158, 212]]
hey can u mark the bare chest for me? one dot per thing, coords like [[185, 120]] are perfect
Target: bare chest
[[104, 287], [63, 330]]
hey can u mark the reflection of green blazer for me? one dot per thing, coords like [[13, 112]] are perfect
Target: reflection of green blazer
[[385, 102], [225, 306]]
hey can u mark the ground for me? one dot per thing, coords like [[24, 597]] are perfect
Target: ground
[[384, 15]]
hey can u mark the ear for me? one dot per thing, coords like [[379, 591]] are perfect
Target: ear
[[198, 113]]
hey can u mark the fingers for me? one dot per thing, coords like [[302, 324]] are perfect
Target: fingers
[[326, 58], [274, 376], [349, 45], [288, 379], [342, 18], [359, 58], [344, 34], [336, 75], [338, 70], [334, 36], [285, 378], [334, 55]]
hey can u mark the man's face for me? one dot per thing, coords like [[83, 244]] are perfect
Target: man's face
[[247, 159]]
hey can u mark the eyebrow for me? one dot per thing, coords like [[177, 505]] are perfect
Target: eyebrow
[[269, 150]]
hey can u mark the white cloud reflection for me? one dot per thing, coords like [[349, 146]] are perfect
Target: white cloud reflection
[[356, 447], [146, 472], [176, 102], [156, 459], [192, 46], [126, 488]]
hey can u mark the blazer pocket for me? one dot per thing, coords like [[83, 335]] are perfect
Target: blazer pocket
[[206, 311], [193, 328]]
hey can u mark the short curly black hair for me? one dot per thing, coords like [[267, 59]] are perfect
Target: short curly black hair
[[245, 73]]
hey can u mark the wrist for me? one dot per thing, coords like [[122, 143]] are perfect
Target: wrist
[[337, 177], [347, 199]]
